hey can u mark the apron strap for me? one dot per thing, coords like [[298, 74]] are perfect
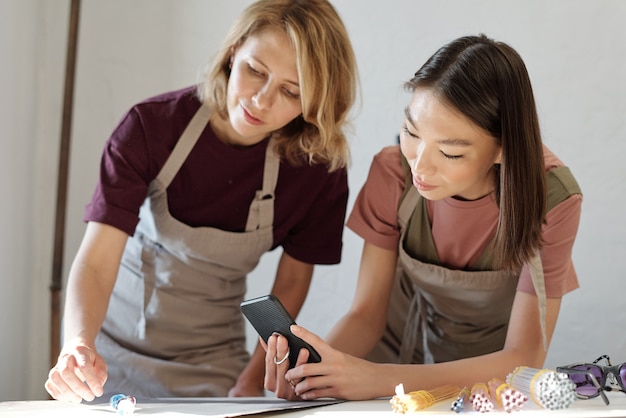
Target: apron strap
[[261, 213], [536, 274], [184, 145], [407, 206], [415, 316]]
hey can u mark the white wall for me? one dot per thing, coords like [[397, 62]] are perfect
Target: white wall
[[574, 51]]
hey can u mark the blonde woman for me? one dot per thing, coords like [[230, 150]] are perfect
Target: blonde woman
[[195, 185]]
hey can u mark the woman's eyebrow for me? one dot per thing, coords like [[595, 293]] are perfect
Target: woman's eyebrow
[[407, 115], [294, 83], [446, 141], [455, 142]]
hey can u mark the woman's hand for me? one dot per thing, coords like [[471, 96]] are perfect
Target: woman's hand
[[79, 374], [277, 364], [338, 375], [242, 390]]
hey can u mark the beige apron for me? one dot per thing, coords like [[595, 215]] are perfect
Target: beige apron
[[438, 314], [174, 327]]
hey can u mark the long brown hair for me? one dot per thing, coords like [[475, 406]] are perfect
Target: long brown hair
[[327, 75], [488, 82]]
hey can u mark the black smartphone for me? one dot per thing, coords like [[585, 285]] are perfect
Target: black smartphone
[[267, 315]]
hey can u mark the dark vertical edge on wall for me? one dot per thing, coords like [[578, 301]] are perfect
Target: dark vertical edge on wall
[[56, 285]]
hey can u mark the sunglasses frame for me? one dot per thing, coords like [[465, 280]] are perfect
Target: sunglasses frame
[[605, 371]]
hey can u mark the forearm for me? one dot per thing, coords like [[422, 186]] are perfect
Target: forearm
[[361, 328], [355, 335], [85, 306], [91, 281], [291, 286], [461, 373]]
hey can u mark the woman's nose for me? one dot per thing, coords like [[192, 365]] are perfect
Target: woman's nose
[[264, 97], [423, 161]]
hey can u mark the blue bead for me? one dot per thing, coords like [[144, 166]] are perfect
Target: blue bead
[[125, 408], [115, 399]]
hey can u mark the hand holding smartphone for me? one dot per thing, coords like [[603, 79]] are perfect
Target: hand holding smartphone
[[267, 315]]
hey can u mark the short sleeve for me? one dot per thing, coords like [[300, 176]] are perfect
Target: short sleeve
[[374, 216], [124, 177]]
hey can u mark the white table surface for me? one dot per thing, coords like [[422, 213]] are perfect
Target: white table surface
[[234, 407]]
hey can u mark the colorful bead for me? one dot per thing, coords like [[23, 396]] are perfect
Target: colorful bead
[[123, 404]]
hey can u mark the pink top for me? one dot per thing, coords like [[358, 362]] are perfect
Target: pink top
[[462, 229]]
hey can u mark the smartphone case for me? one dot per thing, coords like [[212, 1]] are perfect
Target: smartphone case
[[268, 315]]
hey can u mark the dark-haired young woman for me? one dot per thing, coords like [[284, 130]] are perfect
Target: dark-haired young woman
[[468, 225]]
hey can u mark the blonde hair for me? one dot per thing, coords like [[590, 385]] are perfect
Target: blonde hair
[[327, 75]]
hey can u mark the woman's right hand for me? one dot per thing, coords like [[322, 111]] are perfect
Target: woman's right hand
[[79, 374]]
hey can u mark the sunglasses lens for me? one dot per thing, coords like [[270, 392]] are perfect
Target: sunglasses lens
[[622, 374], [584, 384]]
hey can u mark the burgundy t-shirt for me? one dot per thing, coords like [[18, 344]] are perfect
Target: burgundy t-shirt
[[216, 183]]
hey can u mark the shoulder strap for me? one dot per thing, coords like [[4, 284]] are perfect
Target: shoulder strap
[[560, 184], [184, 145], [413, 218], [409, 197]]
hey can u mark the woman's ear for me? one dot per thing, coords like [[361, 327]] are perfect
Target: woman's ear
[[498, 159], [233, 51]]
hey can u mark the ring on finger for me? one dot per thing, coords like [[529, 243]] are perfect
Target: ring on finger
[[281, 361]]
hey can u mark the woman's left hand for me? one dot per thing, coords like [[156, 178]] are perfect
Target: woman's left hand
[[338, 375]]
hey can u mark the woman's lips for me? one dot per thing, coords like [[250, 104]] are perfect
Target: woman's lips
[[423, 186], [250, 118]]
